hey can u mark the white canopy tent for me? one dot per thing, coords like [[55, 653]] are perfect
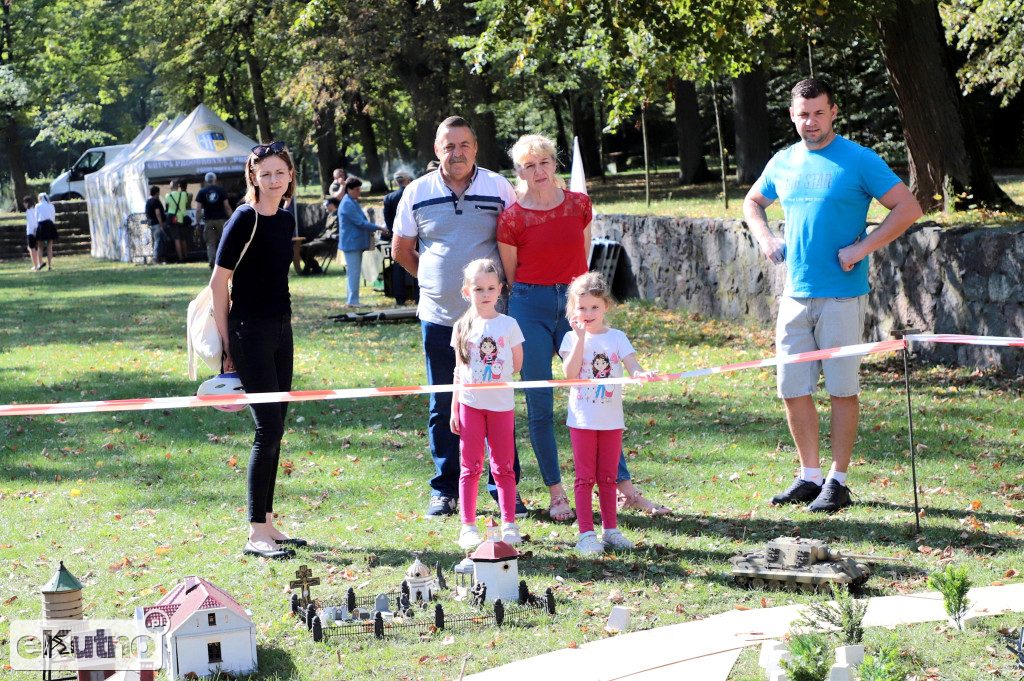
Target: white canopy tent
[[186, 147]]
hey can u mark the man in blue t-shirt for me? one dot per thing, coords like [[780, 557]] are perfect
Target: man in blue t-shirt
[[825, 184]]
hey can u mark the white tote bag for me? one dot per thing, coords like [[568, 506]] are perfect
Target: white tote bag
[[201, 335]]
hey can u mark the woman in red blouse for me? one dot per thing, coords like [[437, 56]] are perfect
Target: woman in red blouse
[[544, 243]]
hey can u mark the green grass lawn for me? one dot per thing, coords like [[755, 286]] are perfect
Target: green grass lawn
[[134, 501]]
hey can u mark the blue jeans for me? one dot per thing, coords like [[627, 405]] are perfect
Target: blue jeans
[[353, 270], [444, 445], [539, 310], [262, 350]]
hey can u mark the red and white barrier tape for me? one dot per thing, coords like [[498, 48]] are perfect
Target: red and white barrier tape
[[140, 404], [1005, 341]]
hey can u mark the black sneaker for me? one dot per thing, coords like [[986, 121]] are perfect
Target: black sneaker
[[834, 496], [440, 506], [521, 510], [800, 492]]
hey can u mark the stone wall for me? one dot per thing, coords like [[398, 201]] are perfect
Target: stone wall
[[961, 280]]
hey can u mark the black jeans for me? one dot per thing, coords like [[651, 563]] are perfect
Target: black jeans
[[262, 350]]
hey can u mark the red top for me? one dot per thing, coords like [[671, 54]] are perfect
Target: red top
[[549, 242]]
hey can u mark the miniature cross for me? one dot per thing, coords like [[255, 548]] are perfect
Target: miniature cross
[[304, 581]]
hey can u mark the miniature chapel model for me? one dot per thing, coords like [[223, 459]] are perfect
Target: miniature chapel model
[[496, 565], [206, 630], [421, 583]]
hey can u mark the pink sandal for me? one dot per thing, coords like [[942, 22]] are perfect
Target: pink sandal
[[638, 502], [560, 509]]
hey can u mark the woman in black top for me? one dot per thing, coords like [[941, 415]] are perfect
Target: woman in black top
[[254, 321]]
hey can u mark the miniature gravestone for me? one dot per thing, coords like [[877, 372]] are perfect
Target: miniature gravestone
[[618, 619], [382, 603]]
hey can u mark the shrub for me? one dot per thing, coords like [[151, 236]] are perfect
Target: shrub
[[812, 658], [885, 666], [847, 615], [953, 583]]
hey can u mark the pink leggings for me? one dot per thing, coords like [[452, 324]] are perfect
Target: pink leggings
[[596, 454], [496, 427]]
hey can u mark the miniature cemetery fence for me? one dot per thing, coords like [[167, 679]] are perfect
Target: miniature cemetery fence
[[501, 614]]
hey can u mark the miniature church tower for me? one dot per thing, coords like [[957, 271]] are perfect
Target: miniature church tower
[[421, 583], [496, 564], [62, 596]]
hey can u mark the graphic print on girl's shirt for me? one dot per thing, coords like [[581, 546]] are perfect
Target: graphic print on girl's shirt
[[601, 367], [489, 355]]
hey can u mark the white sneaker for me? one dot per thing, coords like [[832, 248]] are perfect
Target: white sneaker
[[589, 545], [469, 537], [613, 539], [510, 533]]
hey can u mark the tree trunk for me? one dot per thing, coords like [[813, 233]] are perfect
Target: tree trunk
[[478, 92], [15, 164], [369, 140], [326, 137], [946, 161], [259, 96], [753, 127], [561, 140], [584, 126], [693, 167]]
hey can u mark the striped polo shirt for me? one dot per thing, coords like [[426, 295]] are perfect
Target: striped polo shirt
[[452, 231]]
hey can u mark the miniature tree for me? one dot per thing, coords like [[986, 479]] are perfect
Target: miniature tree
[[847, 615], [885, 666], [953, 583], [812, 658]]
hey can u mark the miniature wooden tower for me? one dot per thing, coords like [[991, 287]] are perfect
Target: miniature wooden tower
[[496, 564], [62, 596]]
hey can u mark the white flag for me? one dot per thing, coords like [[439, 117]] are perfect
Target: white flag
[[577, 180]]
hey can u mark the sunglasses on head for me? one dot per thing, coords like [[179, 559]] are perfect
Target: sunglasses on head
[[261, 150]]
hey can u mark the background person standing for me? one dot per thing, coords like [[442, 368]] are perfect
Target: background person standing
[[391, 201], [212, 209], [356, 236], [158, 225], [825, 183], [177, 214]]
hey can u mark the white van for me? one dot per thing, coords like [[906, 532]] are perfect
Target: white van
[[71, 183]]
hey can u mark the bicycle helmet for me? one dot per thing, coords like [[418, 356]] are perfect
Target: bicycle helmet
[[224, 384]]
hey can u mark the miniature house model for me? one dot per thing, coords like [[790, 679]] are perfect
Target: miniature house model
[[496, 565], [205, 630], [421, 583]]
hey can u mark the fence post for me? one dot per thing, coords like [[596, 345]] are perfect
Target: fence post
[[499, 612], [350, 599], [318, 630], [524, 591], [310, 614], [295, 603], [549, 600], [378, 626], [439, 617]]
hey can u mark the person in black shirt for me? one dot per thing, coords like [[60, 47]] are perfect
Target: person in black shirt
[[254, 321], [391, 201], [212, 209], [157, 225]]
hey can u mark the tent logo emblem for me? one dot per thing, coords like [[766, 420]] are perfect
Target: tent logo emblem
[[211, 138]]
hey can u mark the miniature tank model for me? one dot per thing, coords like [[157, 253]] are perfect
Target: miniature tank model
[[800, 565]]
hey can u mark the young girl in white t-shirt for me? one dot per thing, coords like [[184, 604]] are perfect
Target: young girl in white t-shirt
[[594, 350], [488, 348]]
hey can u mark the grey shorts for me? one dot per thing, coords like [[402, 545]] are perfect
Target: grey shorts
[[808, 324]]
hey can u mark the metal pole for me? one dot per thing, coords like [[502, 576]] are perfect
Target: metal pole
[[910, 425]]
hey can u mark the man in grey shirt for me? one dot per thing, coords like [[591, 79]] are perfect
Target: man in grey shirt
[[446, 220]]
